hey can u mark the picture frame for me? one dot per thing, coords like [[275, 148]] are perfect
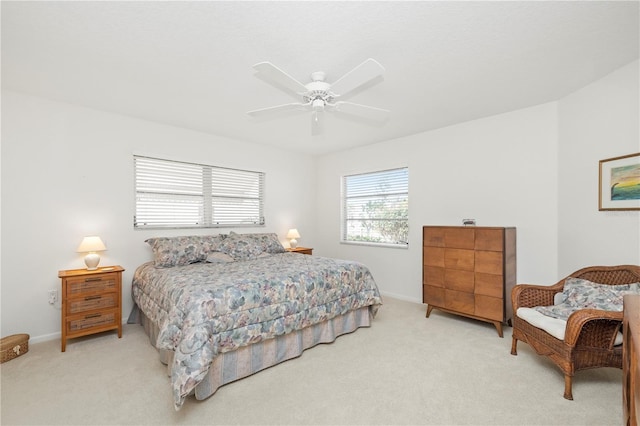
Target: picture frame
[[619, 183]]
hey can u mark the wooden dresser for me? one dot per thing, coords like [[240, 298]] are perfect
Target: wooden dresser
[[91, 302], [631, 361], [469, 271]]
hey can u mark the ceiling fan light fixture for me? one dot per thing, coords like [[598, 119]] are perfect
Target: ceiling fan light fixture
[[317, 104]]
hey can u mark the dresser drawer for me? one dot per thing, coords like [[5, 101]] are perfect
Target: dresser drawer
[[433, 275], [458, 280], [94, 284], [463, 238], [489, 307], [89, 303], [459, 301], [459, 259], [96, 320]]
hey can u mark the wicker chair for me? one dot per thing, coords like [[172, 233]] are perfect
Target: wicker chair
[[590, 333]]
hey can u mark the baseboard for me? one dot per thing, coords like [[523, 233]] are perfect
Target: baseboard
[[400, 297]]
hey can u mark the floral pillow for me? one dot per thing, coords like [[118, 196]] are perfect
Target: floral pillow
[[270, 242], [251, 246], [241, 246], [582, 294], [183, 250]]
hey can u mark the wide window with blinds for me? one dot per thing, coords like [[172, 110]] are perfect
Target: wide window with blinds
[[173, 194], [375, 208]]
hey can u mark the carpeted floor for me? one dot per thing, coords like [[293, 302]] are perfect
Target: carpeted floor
[[405, 369]]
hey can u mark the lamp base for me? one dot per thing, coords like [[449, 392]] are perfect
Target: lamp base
[[92, 260], [293, 243]]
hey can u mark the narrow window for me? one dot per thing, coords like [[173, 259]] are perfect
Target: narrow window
[[173, 194], [375, 208]]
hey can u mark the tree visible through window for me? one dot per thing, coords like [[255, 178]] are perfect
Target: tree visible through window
[[375, 207]]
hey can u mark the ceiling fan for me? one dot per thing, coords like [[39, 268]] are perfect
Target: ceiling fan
[[319, 96]]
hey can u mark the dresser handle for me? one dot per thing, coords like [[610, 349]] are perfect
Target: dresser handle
[[92, 297], [92, 316], [86, 280]]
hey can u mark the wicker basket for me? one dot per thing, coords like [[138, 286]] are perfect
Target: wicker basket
[[13, 346]]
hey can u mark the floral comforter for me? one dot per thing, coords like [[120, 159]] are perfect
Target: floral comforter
[[204, 309]]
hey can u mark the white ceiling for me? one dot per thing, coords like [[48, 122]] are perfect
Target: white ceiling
[[189, 64]]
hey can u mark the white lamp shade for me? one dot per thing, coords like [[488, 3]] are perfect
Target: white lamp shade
[[293, 233], [92, 245]]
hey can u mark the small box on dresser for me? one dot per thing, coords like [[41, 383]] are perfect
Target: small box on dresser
[[470, 271], [91, 302]]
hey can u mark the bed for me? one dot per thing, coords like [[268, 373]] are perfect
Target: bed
[[219, 308]]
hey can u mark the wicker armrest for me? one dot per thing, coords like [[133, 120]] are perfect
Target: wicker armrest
[[593, 327], [530, 295]]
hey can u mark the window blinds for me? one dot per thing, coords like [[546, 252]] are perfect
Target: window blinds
[[376, 207], [175, 194]]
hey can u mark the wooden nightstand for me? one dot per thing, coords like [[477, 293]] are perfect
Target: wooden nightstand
[[91, 302], [302, 250]]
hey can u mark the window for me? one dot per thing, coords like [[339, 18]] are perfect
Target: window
[[375, 207], [173, 194]]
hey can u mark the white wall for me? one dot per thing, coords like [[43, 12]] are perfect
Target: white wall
[[500, 170], [67, 172], [600, 121]]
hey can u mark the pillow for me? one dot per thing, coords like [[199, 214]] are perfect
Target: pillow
[[582, 294], [586, 294], [183, 250], [241, 246], [219, 257], [270, 242]]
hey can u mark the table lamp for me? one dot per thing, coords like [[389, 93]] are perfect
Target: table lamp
[[292, 235], [91, 245]]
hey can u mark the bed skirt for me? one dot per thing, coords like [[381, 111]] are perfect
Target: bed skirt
[[247, 360]]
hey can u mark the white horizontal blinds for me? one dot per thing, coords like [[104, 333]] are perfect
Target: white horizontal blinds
[[184, 195], [236, 197], [168, 193], [376, 207]]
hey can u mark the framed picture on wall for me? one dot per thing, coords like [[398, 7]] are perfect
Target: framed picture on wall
[[620, 183]]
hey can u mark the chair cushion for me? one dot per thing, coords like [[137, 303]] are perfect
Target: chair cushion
[[554, 326]]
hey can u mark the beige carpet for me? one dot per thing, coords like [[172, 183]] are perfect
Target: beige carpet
[[405, 369]]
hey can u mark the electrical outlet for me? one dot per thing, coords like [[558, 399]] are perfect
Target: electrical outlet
[[53, 296]]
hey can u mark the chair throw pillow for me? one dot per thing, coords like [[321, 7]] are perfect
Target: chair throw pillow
[[579, 294]]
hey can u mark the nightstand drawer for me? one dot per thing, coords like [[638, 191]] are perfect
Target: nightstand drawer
[[90, 303], [99, 319], [93, 284]]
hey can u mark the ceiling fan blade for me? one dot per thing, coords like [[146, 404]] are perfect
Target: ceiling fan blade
[[274, 75], [362, 74], [278, 108], [365, 111], [317, 122]]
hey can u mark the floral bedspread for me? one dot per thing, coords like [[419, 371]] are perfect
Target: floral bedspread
[[204, 309]]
